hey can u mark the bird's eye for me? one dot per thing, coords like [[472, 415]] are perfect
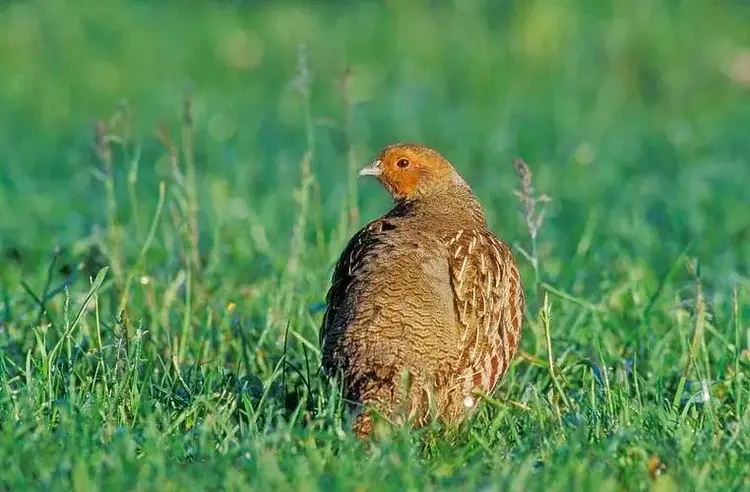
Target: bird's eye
[[403, 163]]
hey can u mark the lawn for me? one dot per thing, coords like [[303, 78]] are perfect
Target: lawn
[[177, 180]]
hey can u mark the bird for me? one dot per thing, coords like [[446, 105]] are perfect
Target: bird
[[425, 307]]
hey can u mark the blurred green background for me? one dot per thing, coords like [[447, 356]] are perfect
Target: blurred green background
[[634, 116], [633, 112]]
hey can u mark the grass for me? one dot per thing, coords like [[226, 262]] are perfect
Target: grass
[[163, 268]]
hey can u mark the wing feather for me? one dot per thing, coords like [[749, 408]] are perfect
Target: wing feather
[[489, 302]]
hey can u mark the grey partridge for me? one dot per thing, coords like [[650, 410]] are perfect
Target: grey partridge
[[426, 304]]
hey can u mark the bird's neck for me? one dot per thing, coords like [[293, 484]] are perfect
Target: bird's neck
[[457, 209]]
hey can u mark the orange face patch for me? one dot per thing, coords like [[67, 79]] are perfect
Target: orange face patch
[[408, 170], [401, 182]]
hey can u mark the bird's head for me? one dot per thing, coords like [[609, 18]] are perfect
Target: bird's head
[[410, 171]]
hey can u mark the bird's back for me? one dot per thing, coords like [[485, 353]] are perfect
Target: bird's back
[[390, 309]]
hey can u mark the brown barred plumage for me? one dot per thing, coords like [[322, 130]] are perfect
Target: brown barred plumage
[[425, 289]]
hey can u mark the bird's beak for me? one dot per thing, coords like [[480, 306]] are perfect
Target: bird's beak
[[372, 169]]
